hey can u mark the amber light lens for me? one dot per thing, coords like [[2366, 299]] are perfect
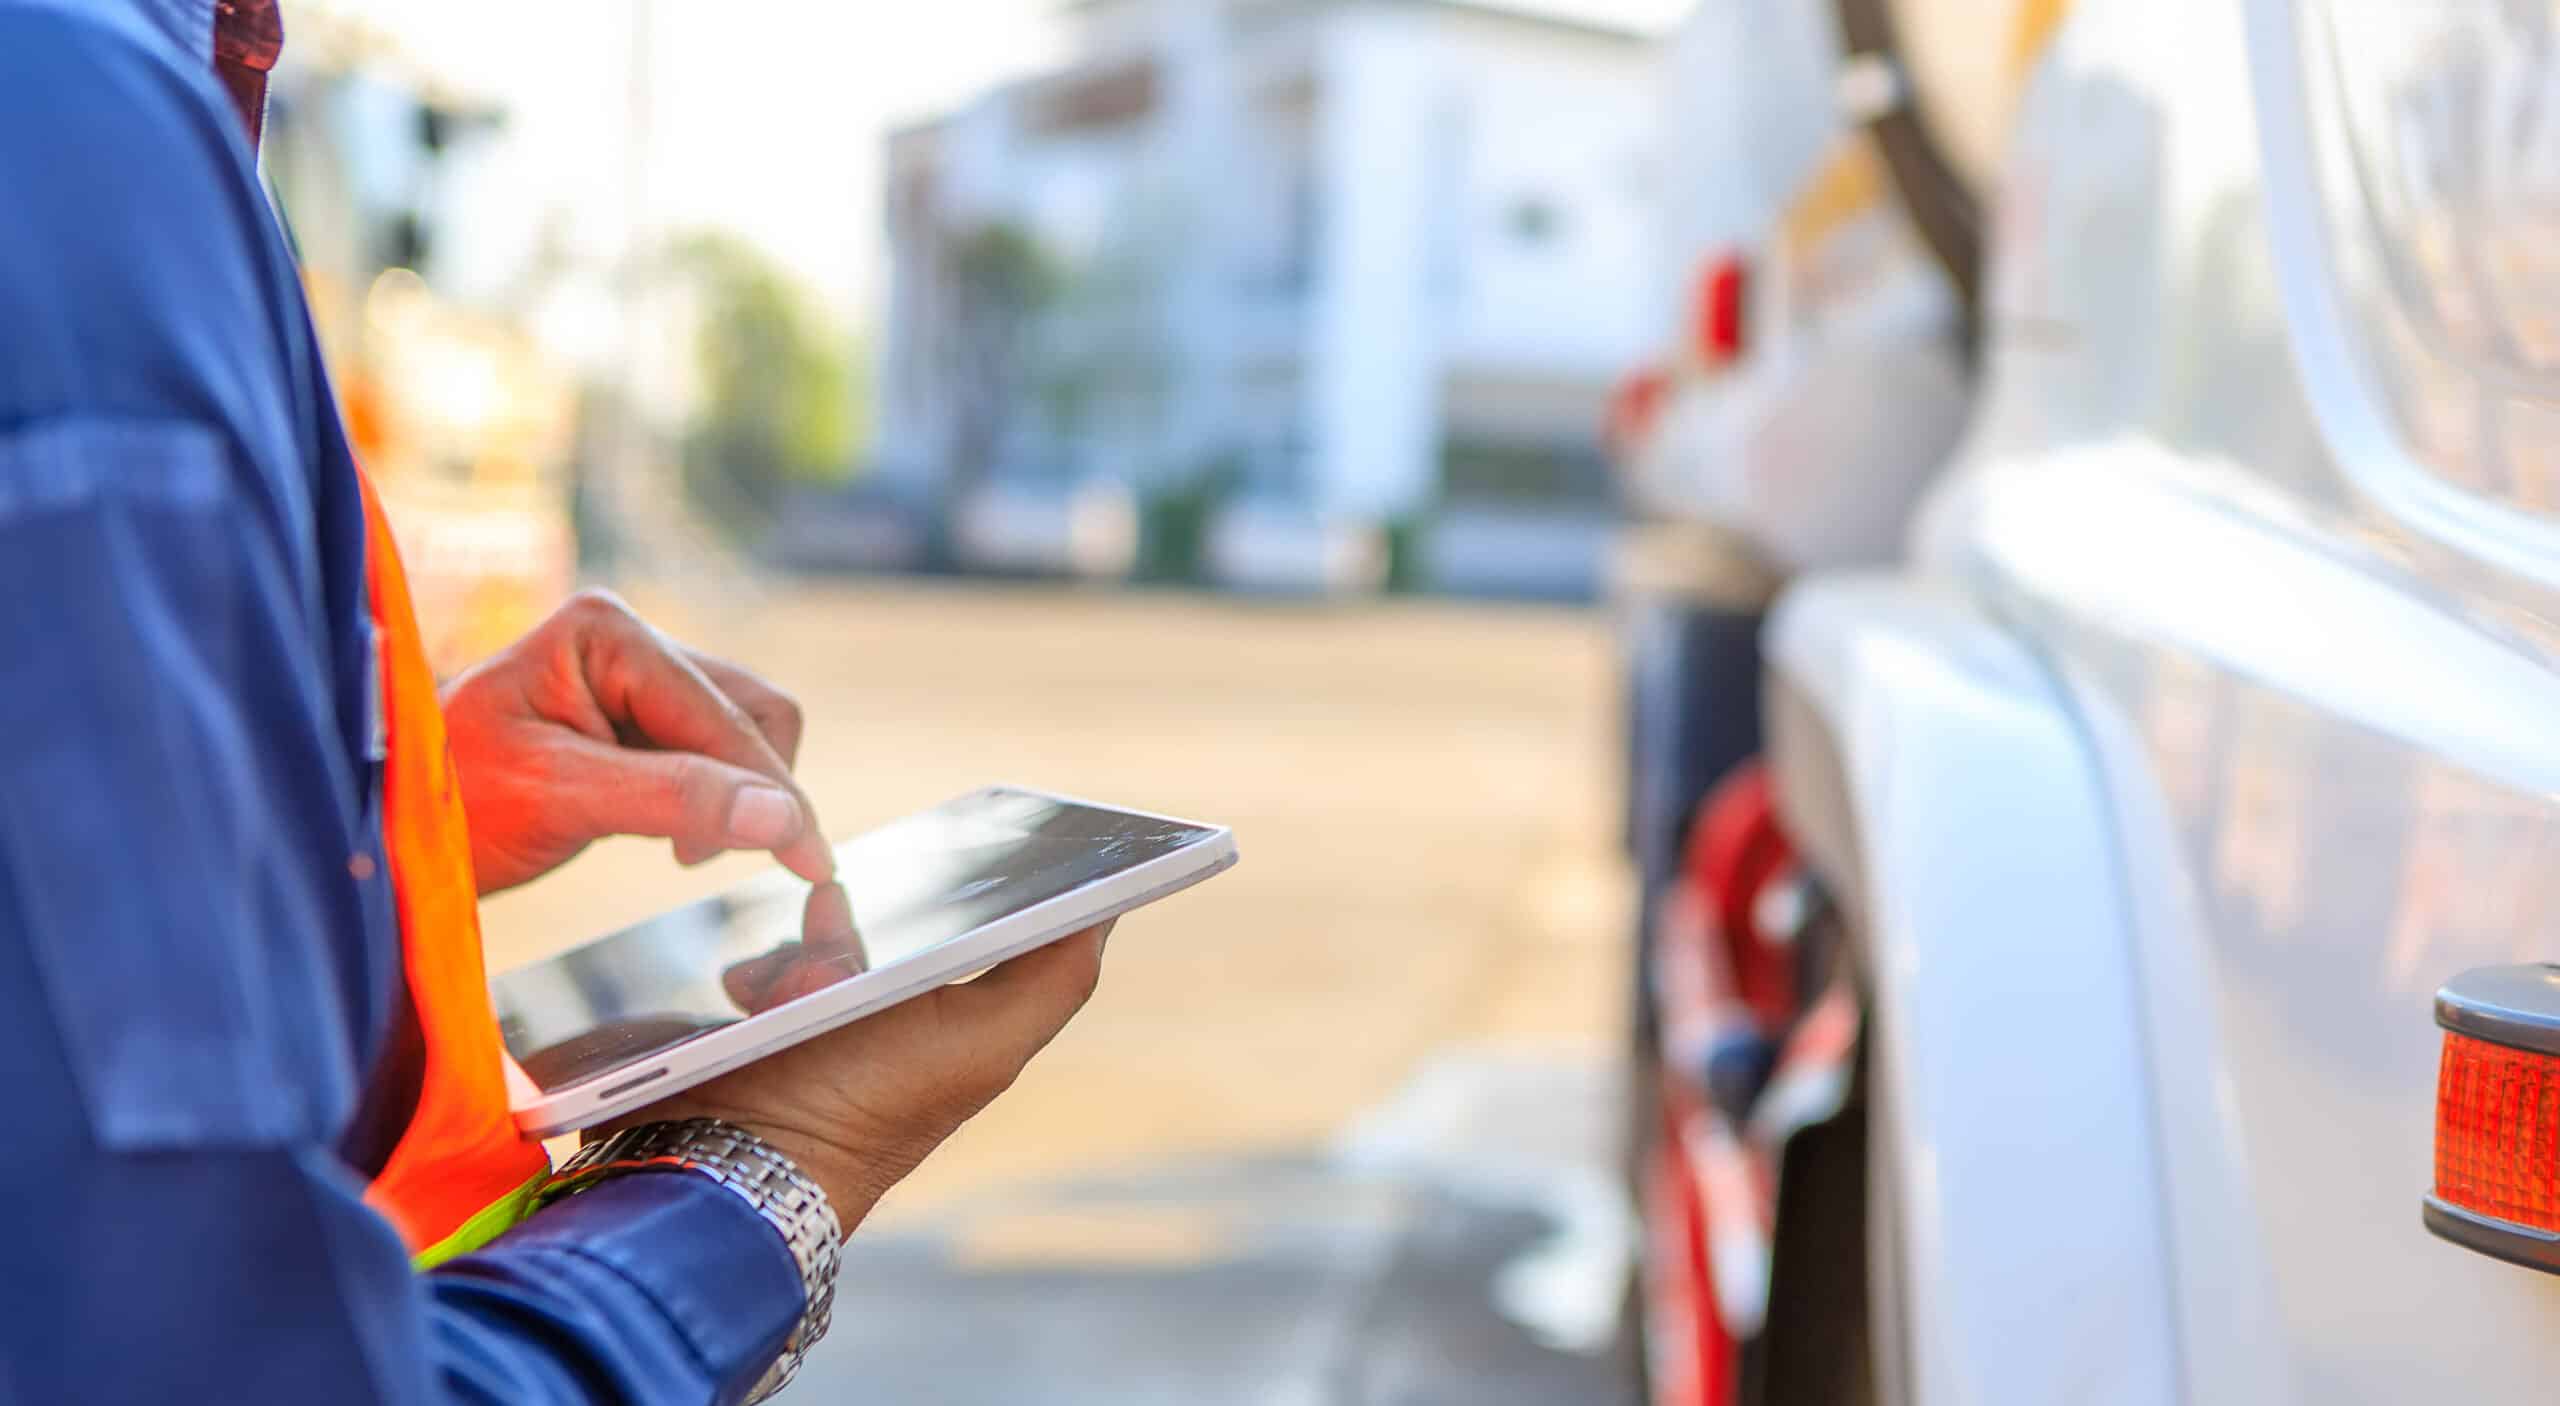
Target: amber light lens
[[2498, 1132]]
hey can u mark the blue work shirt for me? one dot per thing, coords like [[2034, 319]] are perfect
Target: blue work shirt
[[199, 968]]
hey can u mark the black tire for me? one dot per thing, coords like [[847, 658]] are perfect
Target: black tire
[[1818, 1346]]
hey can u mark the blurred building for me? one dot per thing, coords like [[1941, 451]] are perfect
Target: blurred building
[[1327, 274]]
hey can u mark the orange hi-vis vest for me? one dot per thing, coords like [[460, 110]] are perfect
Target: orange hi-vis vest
[[460, 1172]]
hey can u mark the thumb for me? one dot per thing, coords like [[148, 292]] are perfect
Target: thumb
[[1020, 1006], [704, 806]]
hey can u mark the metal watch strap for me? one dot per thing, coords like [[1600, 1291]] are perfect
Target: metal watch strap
[[767, 1180]]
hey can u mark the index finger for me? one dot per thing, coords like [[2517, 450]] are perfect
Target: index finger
[[774, 713], [639, 678]]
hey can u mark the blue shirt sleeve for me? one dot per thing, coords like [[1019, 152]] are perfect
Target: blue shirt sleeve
[[191, 961]]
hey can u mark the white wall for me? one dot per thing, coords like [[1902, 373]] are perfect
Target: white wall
[[1374, 344], [1076, 191], [1563, 122], [904, 448]]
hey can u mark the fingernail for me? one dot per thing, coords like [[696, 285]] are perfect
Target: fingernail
[[762, 817]]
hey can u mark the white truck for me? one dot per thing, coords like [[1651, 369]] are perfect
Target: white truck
[[2209, 727]]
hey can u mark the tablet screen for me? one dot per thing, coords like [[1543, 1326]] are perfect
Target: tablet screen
[[914, 884]]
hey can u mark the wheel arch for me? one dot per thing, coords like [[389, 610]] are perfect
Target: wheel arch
[[1934, 775]]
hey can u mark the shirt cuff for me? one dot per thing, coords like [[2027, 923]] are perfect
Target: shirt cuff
[[716, 1269]]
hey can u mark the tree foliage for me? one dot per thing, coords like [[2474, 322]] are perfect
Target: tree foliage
[[780, 404]]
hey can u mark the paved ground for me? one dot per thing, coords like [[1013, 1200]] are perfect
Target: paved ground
[[1461, 1247], [1335, 1131]]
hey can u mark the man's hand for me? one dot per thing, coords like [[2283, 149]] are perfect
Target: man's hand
[[859, 1108], [595, 725]]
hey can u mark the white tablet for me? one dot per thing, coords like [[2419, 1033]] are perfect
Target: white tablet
[[634, 1016]]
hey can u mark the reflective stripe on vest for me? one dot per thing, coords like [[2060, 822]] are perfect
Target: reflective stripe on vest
[[460, 1173]]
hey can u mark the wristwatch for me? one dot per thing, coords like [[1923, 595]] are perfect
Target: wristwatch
[[739, 1160]]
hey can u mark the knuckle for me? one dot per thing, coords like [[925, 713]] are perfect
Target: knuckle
[[700, 779], [694, 787], [597, 607], [983, 1082]]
